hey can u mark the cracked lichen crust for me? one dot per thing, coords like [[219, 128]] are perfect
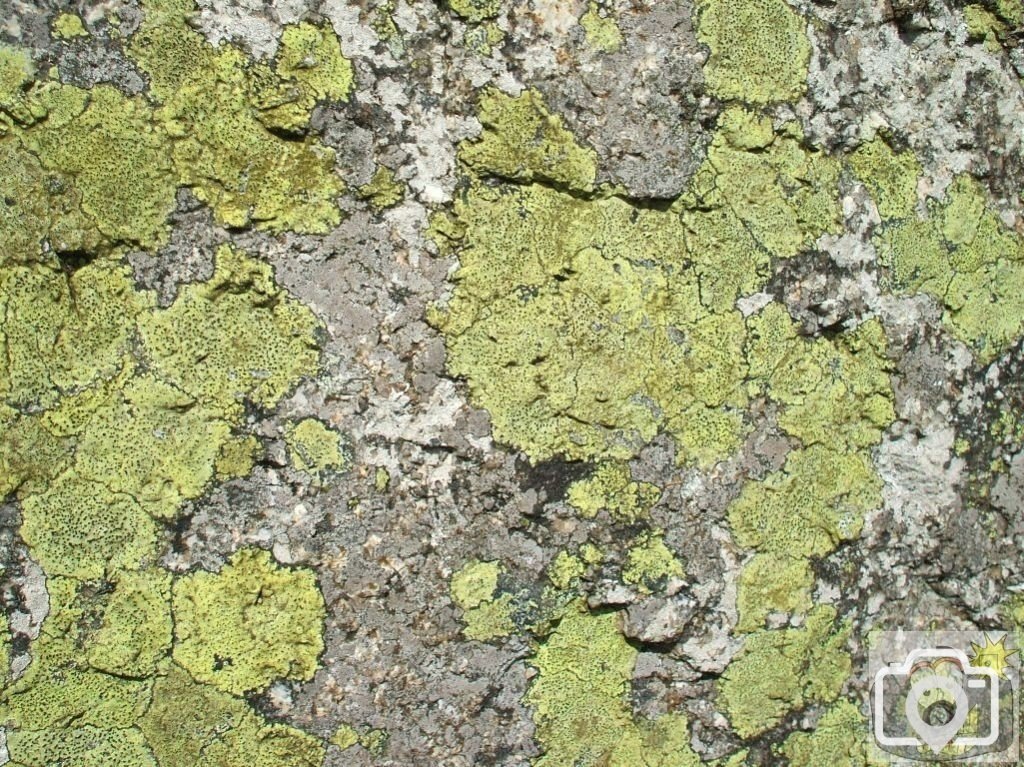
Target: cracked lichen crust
[[759, 49], [108, 425], [248, 624], [838, 739], [965, 257], [650, 563], [585, 323], [487, 615], [581, 701], [522, 140], [235, 339], [220, 147], [94, 168], [780, 671], [195, 725]]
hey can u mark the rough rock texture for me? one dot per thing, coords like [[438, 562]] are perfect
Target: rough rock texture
[[485, 383]]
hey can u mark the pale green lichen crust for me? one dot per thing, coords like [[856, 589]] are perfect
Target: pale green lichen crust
[[647, 295], [759, 49], [580, 700], [586, 324], [115, 411], [314, 447], [602, 32], [968, 259], [249, 624], [487, 615]]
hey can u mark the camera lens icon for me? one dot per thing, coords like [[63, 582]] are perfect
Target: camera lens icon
[[936, 701]]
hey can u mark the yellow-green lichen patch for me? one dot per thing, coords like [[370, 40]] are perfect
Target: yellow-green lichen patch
[[483, 38], [890, 176], [237, 456], [383, 190], [476, 582], [602, 32], [314, 448], [580, 701], [345, 736], [783, 670], [521, 140], [759, 49], [81, 529], [309, 68], [837, 740], [135, 633], [63, 332], [650, 563], [249, 624], [153, 442], [772, 583], [832, 392], [784, 194], [204, 99], [611, 487], [565, 570], [475, 10], [568, 316], [195, 725], [816, 501], [984, 25], [965, 257], [60, 688], [69, 25], [473, 590], [80, 747], [585, 325], [235, 339], [117, 157]]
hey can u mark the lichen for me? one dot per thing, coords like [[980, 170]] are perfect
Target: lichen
[[310, 68], [965, 257], [565, 570], [383, 190], [315, 448], [650, 563], [759, 49], [475, 10], [611, 487], [522, 140], [580, 701], [68, 25], [772, 583], [195, 725], [237, 456], [237, 339], [204, 101], [345, 736], [816, 501], [486, 615], [779, 671], [114, 411], [837, 739], [586, 324], [602, 32], [890, 176], [248, 624], [81, 747]]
